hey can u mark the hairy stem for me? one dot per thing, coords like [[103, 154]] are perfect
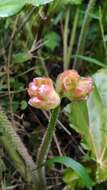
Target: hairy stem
[[84, 31], [45, 145], [17, 151]]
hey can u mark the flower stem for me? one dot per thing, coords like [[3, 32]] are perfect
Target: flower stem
[[68, 47], [44, 148], [84, 31], [72, 39], [65, 37]]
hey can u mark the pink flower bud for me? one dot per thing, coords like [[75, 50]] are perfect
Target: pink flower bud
[[71, 85], [83, 89], [67, 81], [43, 94]]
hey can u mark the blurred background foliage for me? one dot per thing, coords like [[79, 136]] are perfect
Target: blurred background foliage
[[42, 40]]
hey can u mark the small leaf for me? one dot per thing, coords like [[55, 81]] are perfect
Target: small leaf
[[23, 104], [21, 57], [76, 166], [52, 40]]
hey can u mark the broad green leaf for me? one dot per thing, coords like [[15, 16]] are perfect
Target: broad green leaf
[[91, 60], [10, 7], [78, 117], [39, 2], [76, 166], [89, 118], [101, 83]]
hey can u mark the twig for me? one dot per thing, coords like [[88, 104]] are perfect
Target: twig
[[57, 144]]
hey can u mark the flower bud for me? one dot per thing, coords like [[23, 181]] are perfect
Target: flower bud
[[83, 89], [67, 81], [43, 94], [71, 85]]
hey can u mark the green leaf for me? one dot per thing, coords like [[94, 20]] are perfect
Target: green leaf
[[105, 38], [78, 117], [101, 83], [75, 2], [21, 57], [91, 60], [10, 7], [52, 40], [39, 2], [23, 104], [89, 118], [77, 167], [72, 180]]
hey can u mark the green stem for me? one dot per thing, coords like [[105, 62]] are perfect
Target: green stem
[[17, 151], [72, 39], [54, 7], [44, 148], [65, 38], [102, 32], [104, 8], [84, 31]]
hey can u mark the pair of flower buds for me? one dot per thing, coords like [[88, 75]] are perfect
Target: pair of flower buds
[[68, 84]]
